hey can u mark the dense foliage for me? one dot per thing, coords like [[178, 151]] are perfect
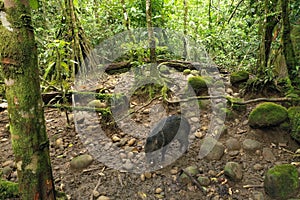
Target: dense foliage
[[230, 31]]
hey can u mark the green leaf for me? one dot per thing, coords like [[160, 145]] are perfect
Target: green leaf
[[75, 2], [34, 4]]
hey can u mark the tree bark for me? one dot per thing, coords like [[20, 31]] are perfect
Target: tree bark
[[265, 47], [150, 31], [125, 15], [18, 58], [185, 28], [209, 14], [288, 48]]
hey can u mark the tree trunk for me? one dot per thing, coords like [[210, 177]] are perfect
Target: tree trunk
[[18, 58], [81, 47], [150, 31], [185, 28], [209, 14], [152, 44], [265, 47], [125, 15], [288, 48]]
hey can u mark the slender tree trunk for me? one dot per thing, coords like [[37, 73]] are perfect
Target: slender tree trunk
[[209, 14], [150, 31], [185, 19], [18, 58], [127, 20], [288, 48], [125, 15], [152, 43]]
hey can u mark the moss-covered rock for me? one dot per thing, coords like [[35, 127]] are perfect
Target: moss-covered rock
[[293, 111], [199, 84], [238, 77], [281, 181], [233, 171], [267, 114], [294, 116], [191, 170], [195, 72], [186, 71]]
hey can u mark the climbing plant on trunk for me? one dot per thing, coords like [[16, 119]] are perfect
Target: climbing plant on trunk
[[18, 58]]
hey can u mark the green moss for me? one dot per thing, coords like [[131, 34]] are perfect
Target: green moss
[[281, 181], [286, 126], [239, 107], [164, 69], [294, 116], [186, 71], [292, 111], [235, 106], [240, 76], [199, 84], [8, 189], [204, 104], [195, 72], [228, 112], [267, 114]]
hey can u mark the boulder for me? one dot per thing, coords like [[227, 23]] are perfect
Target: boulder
[[238, 77], [281, 181], [267, 114], [199, 84]]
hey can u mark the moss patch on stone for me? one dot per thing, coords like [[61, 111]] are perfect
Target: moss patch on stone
[[199, 84], [267, 114], [293, 111], [186, 71], [294, 116], [240, 76], [281, 181]]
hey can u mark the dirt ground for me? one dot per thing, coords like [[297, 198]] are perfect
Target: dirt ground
[[98, 180]]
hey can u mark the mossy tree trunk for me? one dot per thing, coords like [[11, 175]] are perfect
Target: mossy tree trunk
[[270, 21], [288, 48], [18, 58]]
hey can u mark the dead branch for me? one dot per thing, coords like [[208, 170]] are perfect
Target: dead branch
[[234, 11], [283, 99], [253, 186], [228, 98], [98, 184], [194, 181]]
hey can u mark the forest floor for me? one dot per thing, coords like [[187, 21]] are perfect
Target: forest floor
[[98, 181]]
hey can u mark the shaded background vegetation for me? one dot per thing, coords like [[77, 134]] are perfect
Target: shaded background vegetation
[[231, 31]]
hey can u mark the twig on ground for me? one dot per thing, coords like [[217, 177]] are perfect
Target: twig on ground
[[253, 186], [195, 181], [98, 184]]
